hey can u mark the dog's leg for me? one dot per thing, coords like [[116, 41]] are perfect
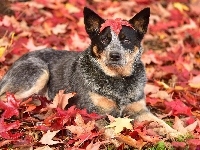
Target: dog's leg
[[25, 78], [139, 112]]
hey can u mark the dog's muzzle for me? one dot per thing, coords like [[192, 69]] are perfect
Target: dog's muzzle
[[115, 58]]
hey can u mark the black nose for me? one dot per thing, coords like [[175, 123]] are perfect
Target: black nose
[[115, 56]]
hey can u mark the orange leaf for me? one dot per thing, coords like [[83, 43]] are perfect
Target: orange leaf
[[130, 141]]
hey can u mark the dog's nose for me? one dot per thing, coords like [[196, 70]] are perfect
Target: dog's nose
[[115, 56]]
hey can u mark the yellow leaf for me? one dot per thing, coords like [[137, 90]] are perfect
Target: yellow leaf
[[2, 50], [163, 84], [180, 6], [120, 123]]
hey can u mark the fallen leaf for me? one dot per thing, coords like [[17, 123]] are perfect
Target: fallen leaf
[[150, 57], [81, 128], [153, 101], [2, 50], [78, 42], [30, 107], [59, 29], [47, 138], [130, 141], [61, 99], [32, 47], [180, 6], [163, 84], [195, 142], [161, 95], [195, 82], [150, 88], [111, 118], [120, 123], [192, 126], [178, 125], [115, 24], [10, 107], [71, 8], [178, 107], [5, 127], [11, 136]]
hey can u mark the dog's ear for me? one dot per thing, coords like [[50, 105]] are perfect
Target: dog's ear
[[92, 22], [141, 20]]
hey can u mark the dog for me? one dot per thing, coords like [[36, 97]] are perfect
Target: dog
[[108, 77]]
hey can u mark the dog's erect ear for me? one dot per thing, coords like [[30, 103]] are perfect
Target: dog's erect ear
[[141, 20], [92, 22]]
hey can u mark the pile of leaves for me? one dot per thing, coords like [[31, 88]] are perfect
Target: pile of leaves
[[171, 57]]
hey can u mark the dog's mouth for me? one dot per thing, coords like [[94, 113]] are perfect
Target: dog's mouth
[[111, 63]]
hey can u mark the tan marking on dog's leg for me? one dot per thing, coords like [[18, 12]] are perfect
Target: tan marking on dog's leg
[[137, 106], [105, 104], [3, 93], [39, 85]]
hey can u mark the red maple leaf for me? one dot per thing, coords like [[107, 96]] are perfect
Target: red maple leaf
[[43, 102], [115, 24], [178, 107], [88, 136], [10, 136], [82, 130], [10, 107], [72, 111], [4, 127], [88, 116]]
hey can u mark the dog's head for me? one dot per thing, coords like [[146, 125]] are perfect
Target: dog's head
[[116, 43]]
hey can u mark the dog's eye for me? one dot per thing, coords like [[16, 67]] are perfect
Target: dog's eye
[[105, 40], [126, 41]]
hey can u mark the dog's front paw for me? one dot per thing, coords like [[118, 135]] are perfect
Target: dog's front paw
[[173, 135]]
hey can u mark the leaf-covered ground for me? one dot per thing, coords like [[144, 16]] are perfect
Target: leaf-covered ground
[[171, 57]]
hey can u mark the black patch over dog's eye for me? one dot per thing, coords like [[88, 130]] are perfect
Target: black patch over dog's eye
[[124, 39], [105, 39]]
